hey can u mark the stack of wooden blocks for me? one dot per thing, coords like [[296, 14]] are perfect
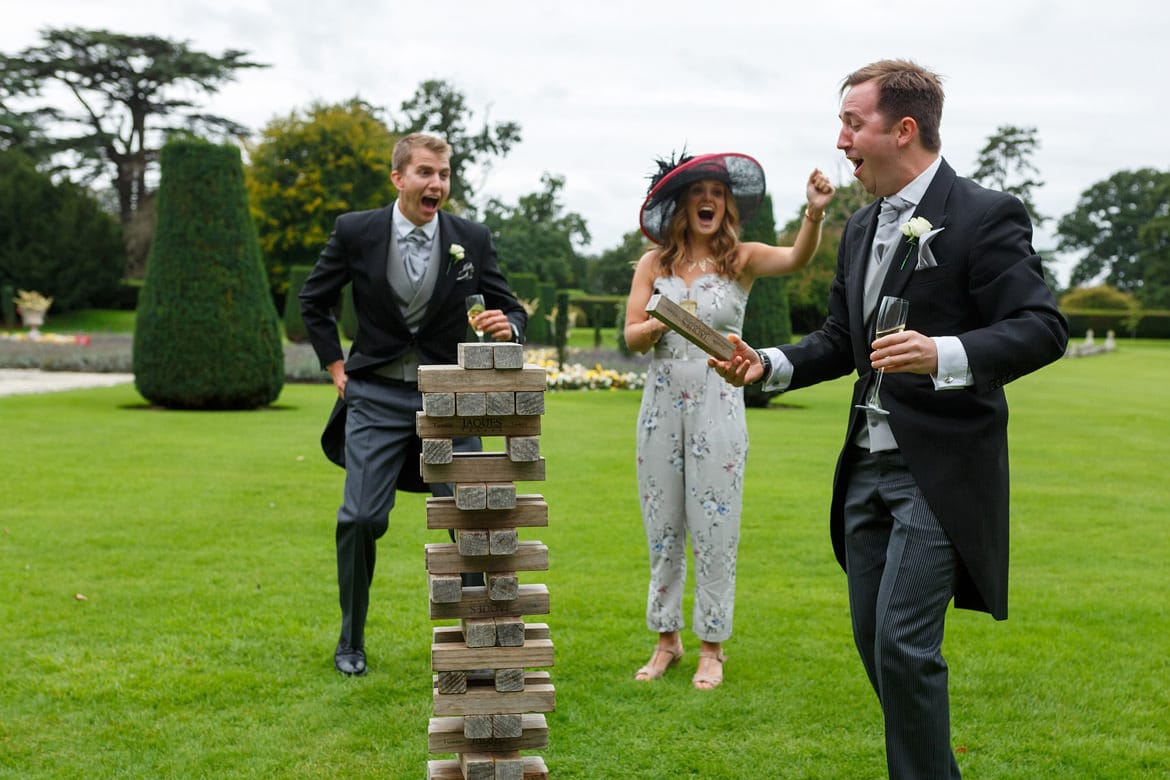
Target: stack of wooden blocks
[[489, 703]]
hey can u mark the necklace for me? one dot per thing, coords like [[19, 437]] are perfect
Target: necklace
[[702, 266]]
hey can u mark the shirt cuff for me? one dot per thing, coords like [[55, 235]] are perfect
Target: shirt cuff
[[954, 373], [781, 376]]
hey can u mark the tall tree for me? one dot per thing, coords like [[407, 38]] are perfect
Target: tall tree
[[536, 236], [1106, 225], [308, 168], [1005, 163], [612, 272], [438, 107], [129, 91]]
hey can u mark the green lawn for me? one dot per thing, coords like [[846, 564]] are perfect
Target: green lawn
[[168, 602]]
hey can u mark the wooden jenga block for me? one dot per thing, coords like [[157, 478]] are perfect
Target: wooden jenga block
[[500, 403], [502, 541], [437, 450], [445, 588], [446, 735], [453, 656], [477, 766], [531, 511], [454, 379], [477, 726], [472, 543], [501, 495], [470, 495], [530, 600], [483, 467], [451, 682], [445, 558], [479, 632], [528, 402], [507, 425], [439, 404], [509, 766], [508, 355], [690, 327], [449, 769], [441, 634], [509, 632], [503, 586], [476, 356], [509, 680], [520, 448], [506, 726], [536, 697], [470, 404]]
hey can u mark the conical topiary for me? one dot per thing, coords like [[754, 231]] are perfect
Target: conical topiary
[[767, 322], [207, 335]]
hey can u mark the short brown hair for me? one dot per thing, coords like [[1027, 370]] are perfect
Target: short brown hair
[[404, 149], [905, 89]]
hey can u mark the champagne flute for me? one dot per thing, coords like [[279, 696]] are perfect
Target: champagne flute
[[475, 307], [891, 318]]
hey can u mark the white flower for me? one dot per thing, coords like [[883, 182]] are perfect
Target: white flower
[[457, 250], [914, 228]]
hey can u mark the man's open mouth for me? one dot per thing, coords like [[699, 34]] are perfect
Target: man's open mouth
[[429, 202]]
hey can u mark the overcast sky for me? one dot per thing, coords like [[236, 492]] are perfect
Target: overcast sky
[[602, 88]]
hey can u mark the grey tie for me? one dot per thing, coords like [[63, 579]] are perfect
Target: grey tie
[[884, 241], [414, 254]]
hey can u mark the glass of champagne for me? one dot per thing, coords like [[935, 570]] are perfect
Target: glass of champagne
[[475, 307], [891, 318]]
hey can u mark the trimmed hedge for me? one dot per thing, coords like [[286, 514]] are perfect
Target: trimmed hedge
[[294, 326], [207, 335], [56, 239], [1138, 323]]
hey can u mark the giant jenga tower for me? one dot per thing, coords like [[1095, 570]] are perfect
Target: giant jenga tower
[[488, 704]]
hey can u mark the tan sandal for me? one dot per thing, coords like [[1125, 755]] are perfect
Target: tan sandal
[[706, 681], [652, 670]]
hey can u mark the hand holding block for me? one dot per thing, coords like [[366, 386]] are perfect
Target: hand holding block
[[690, 327]]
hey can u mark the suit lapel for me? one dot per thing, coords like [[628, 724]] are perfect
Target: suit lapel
[[932, 209], [855, 284], [444, 282]]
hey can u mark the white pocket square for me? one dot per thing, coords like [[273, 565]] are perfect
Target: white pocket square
[[466, 272], [925, 255]]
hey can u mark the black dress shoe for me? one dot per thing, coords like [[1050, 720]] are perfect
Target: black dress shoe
[[349, 661]]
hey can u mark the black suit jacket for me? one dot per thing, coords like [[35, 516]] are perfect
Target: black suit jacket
[[988, 290], [358, 251]]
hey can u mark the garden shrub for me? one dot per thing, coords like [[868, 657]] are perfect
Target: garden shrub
[[207, 335]]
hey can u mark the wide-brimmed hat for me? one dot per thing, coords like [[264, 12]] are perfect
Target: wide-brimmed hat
[[743, 175]]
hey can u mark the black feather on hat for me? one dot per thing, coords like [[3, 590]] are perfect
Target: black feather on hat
[[743, 175]]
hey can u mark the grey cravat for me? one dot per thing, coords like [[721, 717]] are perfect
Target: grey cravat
[[884, 241], [414, 254]]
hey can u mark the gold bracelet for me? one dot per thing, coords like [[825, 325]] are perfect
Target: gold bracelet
[[808, 215]]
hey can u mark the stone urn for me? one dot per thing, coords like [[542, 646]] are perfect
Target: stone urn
[[33, 319]]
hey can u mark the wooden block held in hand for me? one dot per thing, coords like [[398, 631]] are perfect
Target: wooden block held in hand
[[690, 327]]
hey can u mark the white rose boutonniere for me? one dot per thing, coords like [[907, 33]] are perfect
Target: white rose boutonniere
[[914, 229], [457, 253]]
